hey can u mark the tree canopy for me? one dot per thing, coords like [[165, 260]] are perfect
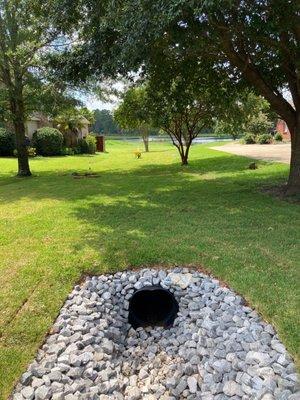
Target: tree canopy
[[251, 43], [247, 113], [27, 29]]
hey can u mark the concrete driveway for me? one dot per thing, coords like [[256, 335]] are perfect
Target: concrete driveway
[[280, 152]]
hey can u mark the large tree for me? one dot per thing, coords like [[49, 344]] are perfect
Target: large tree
[[255, 42], [183, 122], [180, 101], [133, 113], [26, 29]]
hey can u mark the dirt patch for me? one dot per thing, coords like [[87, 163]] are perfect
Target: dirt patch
[[77, 175]]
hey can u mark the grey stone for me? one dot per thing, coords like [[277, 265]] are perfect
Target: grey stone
[[192, 384], [133, 393], [26, 378], [231, 388], [258, 357], [42, 393], [28, 392], [107, 346], [106, 295], [181, 386]]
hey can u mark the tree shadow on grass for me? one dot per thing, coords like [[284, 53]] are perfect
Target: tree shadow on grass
[[133, 216], [241, 235], [48, 183], [209, 213]]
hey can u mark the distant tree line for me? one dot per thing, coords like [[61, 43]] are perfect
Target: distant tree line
[[105, 123]]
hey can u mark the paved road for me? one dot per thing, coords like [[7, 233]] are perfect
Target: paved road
[[269, 152]]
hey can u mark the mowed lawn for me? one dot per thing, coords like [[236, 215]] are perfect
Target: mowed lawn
[[55, 228]]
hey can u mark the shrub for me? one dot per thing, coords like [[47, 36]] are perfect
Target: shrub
[[82, 147], [67, 151], [278, 137], [91, 144], [77, 150], [249, 138], [264, 139], [7, 143], [48, 141], [87, 145]]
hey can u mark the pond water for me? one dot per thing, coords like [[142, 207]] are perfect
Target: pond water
[[198, 140]]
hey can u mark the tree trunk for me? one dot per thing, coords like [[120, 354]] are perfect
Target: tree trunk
[[184, 154], [184, 159], [17, 109], [146, 143], [293, 185]]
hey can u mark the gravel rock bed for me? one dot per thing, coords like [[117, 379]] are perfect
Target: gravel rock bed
[[218, 348]]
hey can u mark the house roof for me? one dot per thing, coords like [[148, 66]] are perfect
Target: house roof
[[84, 120], [36, 117]]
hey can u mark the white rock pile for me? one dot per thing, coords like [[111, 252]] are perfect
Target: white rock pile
[[217, 349]]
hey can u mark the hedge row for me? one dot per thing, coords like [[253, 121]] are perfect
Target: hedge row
[[47, 142], [7, 143]]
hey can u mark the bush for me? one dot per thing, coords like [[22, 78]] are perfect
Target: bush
[[77, 150], [278, 137], [7, 143], [48, 141], [87, 145], [68, 151], [82, 147], [264, 139], [249, 138], [91, 144]]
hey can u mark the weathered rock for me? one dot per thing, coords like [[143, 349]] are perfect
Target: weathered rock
[[192, 384], [28, 392], [42, 393]]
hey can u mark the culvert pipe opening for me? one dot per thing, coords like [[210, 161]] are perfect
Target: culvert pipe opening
[[152, 306]]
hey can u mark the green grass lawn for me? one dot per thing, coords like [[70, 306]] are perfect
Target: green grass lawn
[[54, 229]]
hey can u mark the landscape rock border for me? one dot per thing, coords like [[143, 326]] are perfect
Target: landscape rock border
[[218, 348]]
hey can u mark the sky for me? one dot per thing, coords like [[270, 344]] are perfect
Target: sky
[[92, 103]]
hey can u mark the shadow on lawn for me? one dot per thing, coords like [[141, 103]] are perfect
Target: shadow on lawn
[[37, 187], [167, 215], [208, 213], [138, 216]]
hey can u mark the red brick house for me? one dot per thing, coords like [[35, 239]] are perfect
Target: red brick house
[[281, 127]]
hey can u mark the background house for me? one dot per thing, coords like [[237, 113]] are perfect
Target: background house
[[35, 122], [39, 120], [282, 128]]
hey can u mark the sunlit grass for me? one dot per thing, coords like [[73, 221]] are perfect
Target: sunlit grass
[[55, 228]]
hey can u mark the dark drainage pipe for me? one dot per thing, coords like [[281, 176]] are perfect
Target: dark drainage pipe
[[152, 306]]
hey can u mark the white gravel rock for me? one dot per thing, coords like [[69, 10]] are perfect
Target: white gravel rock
[[216, 349], [181, 280], [192, 384]]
